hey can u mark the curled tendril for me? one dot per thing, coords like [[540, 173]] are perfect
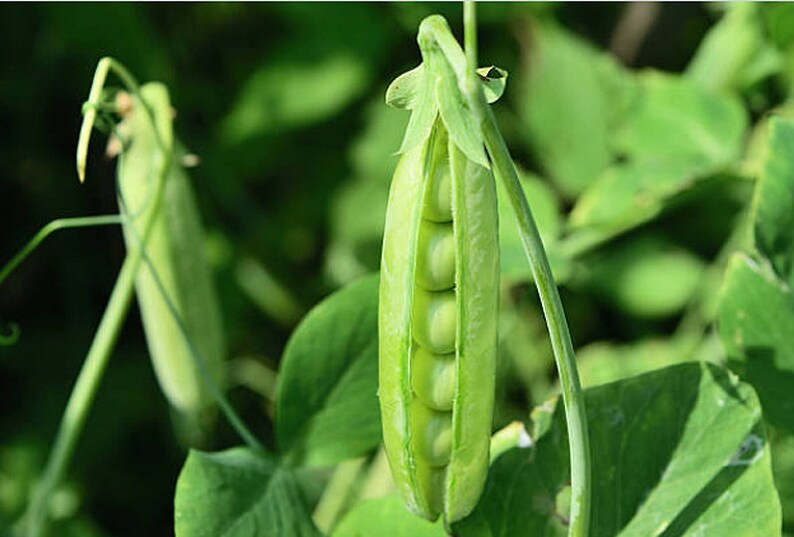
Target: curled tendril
[[9, 334]]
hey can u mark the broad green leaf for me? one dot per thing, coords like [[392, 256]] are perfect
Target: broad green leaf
[[386, 516], [677, 134], [603, 362], [546, 211], [773, 205], [238, 493], [571, 98], [756, 322], [676, 119], [728, 50], [287, 94], [629, 194], [680, 451], [359, 205], [647, 277], [677, 452], [521, 491], [326, 402]]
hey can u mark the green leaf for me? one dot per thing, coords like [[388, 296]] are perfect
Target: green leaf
[[386, 516], [708, 126], [603, 361], [494, 82], [423, 114], [521, 491], [756, 323], [286, 94], [773, 205], [647, 277], [546, 211], [403, 92], [709, 129], [571, 98], [679, 451], [326, 402], [729, 49], [238, 492]]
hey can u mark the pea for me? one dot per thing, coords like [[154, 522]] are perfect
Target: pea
[[434, 320], [432, 434], [435, 258], [433, 378]]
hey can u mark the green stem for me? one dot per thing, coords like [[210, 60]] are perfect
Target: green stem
[[62, 223], [49, 229], [573, 396], [88, 380]]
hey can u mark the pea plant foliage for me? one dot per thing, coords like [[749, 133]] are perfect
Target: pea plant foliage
[[394, 410]]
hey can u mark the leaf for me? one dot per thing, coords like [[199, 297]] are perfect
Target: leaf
[[709, 129], [756, 323], [386, 516], [463, 128], [403, 92], [679, 451], [729, 49], [647, 277], [603, 361], [708, 126], [326, 402], [282, 95], [571, 98], [238, 492], [494, 82], [773, 204], [521, 491], [546, 211]]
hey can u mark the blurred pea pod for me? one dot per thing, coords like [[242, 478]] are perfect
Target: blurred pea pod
[[175, 248], [439, 291]]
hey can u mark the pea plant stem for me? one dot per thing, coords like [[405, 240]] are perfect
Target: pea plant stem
[[573, 396], [83, 393]]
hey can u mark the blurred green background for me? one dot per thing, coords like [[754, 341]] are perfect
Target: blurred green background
[[636, 135]]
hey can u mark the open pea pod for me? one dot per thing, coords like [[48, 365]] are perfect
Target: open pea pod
[[437, 317]]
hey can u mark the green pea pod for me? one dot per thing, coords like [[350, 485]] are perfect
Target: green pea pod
[[437, 327], [175, 248]]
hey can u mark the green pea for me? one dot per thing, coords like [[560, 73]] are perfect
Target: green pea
[[432, 434], [434, 320], [435, 258], [438, 198], [433, 378]]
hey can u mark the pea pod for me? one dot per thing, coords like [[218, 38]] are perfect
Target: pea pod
[[437, 326], [175, 249]]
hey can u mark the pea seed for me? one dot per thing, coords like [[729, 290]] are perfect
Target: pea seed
[[434, 319], [433, 434], [435, 257], [433, 378]]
